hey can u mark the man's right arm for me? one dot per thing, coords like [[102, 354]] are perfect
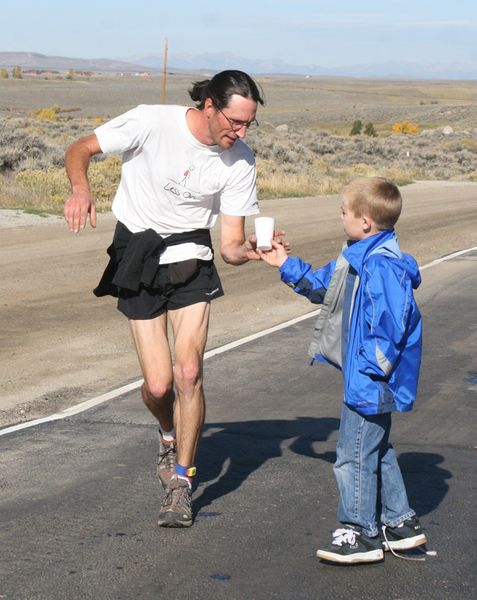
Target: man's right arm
[[80, 203]]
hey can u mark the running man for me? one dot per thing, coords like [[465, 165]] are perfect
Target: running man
[[181, 167]]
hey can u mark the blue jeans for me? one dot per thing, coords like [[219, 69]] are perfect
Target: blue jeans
[[367, 471]]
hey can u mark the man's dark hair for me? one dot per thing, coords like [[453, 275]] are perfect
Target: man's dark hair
[[224, 85]]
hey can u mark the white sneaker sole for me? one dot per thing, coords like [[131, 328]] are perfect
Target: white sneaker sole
[[359, 557], [406, 543]]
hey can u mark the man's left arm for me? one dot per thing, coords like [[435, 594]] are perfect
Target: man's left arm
[[235, 247]]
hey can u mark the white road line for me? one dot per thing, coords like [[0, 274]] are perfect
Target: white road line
[[438, 261], [259, 334], [74, 410]]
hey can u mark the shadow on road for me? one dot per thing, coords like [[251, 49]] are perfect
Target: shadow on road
[[231, 451], [426, 481]]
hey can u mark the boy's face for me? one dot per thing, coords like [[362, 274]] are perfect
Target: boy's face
[[352, 225], [356, 228]]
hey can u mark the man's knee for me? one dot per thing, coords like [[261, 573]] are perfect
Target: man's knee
[[155, 390], [188, 374]]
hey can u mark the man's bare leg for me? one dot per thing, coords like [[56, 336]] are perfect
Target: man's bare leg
[[152, 347], [190, 327]]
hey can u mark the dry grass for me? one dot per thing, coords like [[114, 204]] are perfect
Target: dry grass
[[318, 179], [16, 197], [45, 191]]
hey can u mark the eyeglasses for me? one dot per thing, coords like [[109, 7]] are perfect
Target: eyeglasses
[[237, 125]]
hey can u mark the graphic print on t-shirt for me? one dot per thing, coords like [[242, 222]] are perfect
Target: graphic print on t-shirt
[[179, 188], [187, 173]]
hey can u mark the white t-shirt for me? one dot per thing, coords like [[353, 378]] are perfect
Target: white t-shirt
[[170, 182]]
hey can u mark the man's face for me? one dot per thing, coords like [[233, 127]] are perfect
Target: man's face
[[230, 123]]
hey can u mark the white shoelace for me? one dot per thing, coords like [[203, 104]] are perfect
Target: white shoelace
[[394, 553], [344, 536]]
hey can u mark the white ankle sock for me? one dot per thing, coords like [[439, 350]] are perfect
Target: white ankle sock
[[168, 436]]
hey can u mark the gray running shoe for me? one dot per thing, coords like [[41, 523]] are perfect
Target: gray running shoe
[[166, 461], [176, 509]]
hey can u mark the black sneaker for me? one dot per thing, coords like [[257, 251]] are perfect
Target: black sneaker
[[405, 536], [351, 546]]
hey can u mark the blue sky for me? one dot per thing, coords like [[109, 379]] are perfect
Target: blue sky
[[329, 34]]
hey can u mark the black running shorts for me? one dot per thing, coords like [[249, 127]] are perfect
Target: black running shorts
[[203, 286]]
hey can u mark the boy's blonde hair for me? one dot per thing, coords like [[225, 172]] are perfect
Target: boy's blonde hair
[[376, 197]]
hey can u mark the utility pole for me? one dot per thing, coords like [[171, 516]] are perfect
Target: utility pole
[[164, 75]]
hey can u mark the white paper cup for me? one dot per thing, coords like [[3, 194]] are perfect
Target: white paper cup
[[264, 227]]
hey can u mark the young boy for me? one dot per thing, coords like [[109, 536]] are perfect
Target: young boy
[[369, 327]]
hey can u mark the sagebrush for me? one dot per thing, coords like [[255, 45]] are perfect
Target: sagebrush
[[291, 161]]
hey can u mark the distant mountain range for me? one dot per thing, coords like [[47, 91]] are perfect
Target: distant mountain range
[[224, 60], [217, 61], [33, 60]]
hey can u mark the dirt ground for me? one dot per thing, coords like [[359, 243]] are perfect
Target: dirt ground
[[60, 345]]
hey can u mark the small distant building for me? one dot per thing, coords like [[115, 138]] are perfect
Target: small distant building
[[39, 72]]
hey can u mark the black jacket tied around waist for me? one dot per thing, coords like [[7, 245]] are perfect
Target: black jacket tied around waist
[[134, 257]]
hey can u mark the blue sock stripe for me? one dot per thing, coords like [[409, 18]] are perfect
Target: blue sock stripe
[[182, 471]]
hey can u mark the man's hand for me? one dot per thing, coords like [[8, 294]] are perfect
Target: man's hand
[[77, 208], [278, 237], [250, 246], [80, 204]]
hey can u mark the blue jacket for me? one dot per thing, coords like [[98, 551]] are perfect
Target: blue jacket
[[370, 326]]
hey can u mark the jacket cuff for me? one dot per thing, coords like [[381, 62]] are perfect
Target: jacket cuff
[[288, 270]]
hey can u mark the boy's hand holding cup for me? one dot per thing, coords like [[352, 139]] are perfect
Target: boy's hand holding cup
[[268, 248]]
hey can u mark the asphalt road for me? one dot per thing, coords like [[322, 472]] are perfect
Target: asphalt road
[[60, 345], [79, 496]]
